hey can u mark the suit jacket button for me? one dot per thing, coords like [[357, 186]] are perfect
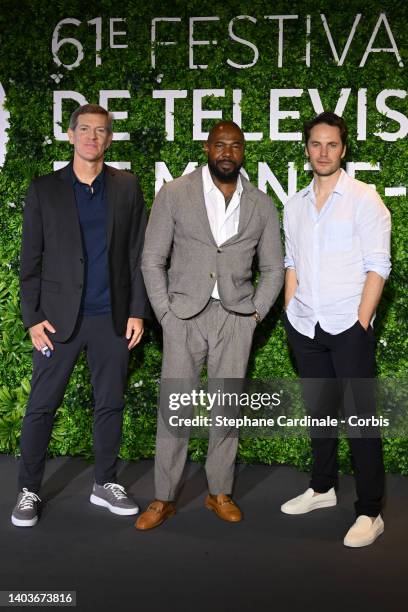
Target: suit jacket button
[[219, 250], [80, 286], [212, 275], [81, 260]]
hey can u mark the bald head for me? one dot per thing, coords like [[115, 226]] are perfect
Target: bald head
[[226, 126]]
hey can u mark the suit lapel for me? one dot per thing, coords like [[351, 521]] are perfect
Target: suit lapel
[[246, 209], [69, 207], [247, 206], [67, 198], [196, 193], [111, 197]]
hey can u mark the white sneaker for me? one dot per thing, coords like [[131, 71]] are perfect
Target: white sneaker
[[308, 502], [364, 531]]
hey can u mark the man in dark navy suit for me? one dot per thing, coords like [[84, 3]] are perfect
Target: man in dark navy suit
[[81, 288]]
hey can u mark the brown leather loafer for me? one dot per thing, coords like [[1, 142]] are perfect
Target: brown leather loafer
[[224, 507], [155, 514]]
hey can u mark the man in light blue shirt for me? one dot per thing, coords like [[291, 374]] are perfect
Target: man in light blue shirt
[[337, 235]]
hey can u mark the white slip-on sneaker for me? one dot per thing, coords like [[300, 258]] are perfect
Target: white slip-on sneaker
[[364, 531], [308, 501]]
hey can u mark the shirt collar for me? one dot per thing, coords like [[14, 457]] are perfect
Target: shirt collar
[[96, 183], [209, 184], [339, 188]]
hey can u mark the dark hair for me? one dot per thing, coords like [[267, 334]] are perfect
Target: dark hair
[[330, 119], [92, 109]]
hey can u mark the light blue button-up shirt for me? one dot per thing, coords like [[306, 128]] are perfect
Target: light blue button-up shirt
[[332, 251]]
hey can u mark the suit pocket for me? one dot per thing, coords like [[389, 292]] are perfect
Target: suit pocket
[[50, 286], [171, 323]]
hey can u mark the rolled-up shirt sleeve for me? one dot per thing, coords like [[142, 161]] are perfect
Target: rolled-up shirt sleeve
[[374, 230], [289, 261]]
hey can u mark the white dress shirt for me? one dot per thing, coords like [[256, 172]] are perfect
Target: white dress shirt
[[332, 251], [223, 222]]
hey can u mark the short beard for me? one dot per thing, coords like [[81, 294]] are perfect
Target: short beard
[[327, 173], [224, 177]]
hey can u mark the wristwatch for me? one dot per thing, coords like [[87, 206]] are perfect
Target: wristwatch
[[257, 316]]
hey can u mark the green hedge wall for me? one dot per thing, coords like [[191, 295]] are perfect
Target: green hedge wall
[[26, 69]]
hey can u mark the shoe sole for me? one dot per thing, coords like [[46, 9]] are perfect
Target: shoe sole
[[366, 542], [315, 506], [24, 522], [98, 501]]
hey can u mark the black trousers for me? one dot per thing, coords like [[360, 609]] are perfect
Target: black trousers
[[107, 356], [345, 356]]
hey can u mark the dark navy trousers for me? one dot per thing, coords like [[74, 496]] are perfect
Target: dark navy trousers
[[107, 356]]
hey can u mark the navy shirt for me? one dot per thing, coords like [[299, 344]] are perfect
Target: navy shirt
[[92, 209]]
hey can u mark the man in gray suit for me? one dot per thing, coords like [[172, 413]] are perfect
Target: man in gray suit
[[210, 223]]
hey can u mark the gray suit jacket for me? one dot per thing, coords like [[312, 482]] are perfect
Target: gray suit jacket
[[179, 229]]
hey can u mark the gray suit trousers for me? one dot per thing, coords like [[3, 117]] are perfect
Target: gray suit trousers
[[221, 339]]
